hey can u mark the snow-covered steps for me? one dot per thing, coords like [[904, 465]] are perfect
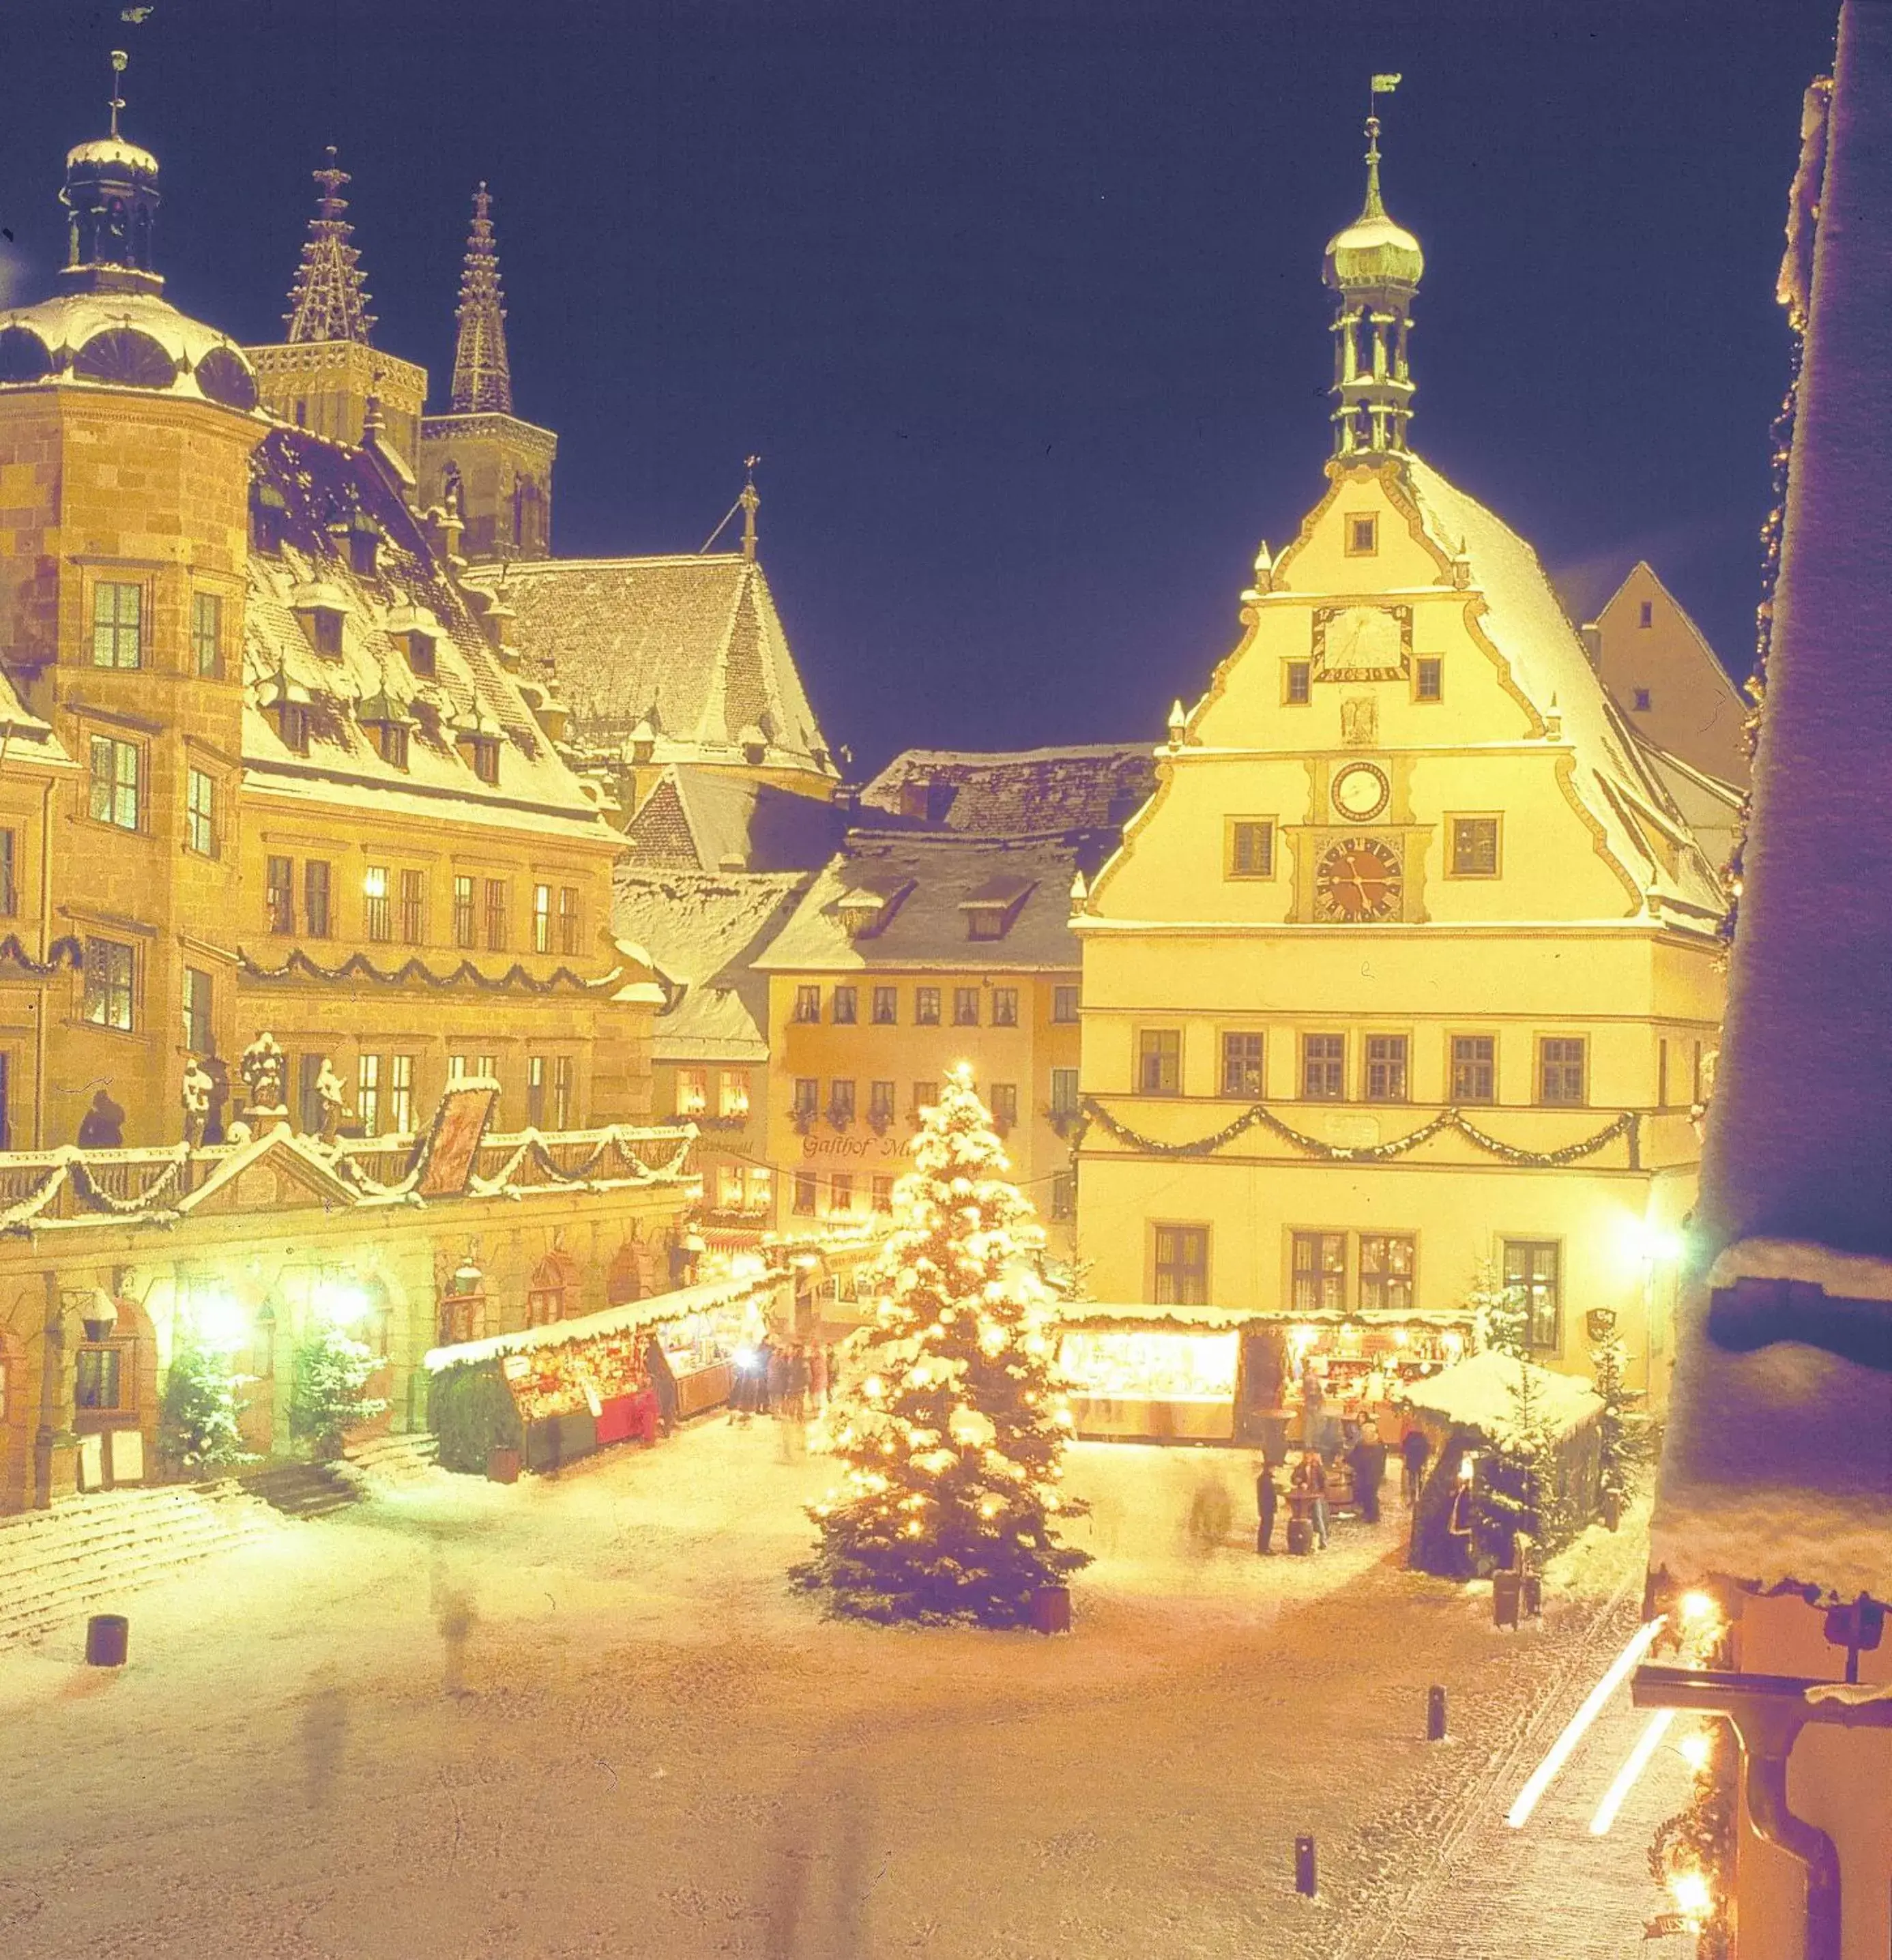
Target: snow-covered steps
[[306, 1490], [84, 1555], [396, 1460]]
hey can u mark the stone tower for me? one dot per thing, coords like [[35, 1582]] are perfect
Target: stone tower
[[324, 374], [479, 456]]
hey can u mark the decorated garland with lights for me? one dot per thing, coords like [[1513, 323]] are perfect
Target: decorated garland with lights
[[1691, 1855], [952, 1432], [1256, 1116], [358, 966], [66, 952]]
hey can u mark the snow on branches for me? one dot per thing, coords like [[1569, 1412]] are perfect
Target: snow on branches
[[953, 1430]]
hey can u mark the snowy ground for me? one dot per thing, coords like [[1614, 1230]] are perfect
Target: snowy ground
[[586, 1716]]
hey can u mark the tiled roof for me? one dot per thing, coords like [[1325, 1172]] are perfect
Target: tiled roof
[[696, 819], [692, 644], [312, 492], [931, 879], [1028, 792]]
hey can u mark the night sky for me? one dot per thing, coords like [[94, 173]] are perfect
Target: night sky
[[1020, 303]]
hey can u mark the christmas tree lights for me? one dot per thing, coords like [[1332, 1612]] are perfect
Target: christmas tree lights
[[953, 1435]]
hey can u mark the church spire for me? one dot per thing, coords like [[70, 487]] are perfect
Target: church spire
[[111, 201], [483, 380], [329, 298]]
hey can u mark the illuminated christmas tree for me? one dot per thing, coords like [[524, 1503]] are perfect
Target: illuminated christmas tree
[[953, 1428]]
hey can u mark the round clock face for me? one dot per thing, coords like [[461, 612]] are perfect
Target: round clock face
[[1360, 791], [1358, 879]]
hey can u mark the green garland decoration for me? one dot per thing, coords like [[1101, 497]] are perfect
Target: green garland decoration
[[357, 966], [63, 952], [1627, 1123]]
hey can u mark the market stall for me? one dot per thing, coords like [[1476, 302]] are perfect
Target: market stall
[[1315, 1373], [556, 1392], [1152, 1373]]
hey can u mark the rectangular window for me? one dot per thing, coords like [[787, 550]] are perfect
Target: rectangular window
[[1363, 535], [1064, 1194], [1064, 1004], [483, 753], [325, 631], [1005, 1105], [883, 1194], [965, 1007], [1386, 1068], [841, 1103], [367, 1094], [118, 612], [1064, 1095], [315, 897], [464, 935], [1428, 678], [200, 812], [1323, 1068], [1534, 1278], [199, 1037], [880, 1104], [1474, 847], [568, 918], [847, 1006], [986, 922], [1251, 847], [535, 1091], [1005, 1006], [732, 1093], [413, 908], [109, 969], [1297, 682], [926, 1007], [400, 1094], [693, 1091], [206, 634], [1181, 1265], [116, 774], [925, 1094], [542, 918], [308, 1094], [887, 1011], [1560, 1070], [1646, 616], [391, 739], [1661, 1075], [377, 920], [487, 1067], [1159, 1062], [807, 1097], [841, 1192], [1320, 1272], [495, 915], [98, 1380], [456, 1070], [729, 1187], [280, 893], [1474, 1068], [292, 725], [562, 1093], [804, 1200], [1386, 1271], [9, 887], [1241, 1066], [807, 1004]]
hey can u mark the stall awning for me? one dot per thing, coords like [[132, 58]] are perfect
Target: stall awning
[[1210, 1318]]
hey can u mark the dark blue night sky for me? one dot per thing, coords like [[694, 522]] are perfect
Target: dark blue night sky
[[1020, 303]]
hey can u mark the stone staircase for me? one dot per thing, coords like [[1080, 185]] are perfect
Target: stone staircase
[[305, 1490], [86, 1553], [398, 1462]]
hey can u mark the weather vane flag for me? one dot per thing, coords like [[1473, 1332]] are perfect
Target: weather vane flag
[[1384, 85]]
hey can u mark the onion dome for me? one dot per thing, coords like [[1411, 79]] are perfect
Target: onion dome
[[111, 197], [1373, 250], [1374, 267]]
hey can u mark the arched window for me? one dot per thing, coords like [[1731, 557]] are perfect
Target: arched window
[[554, 1290]]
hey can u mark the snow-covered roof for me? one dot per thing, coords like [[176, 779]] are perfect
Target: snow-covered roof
[[928, 927], [1025, 793], [701, 931], [1524, 621], [1777, 1468], [24, 736], [314, 492], [691, 644], [67, 322], [1481, 1393], [696, 819], [1209, 1318]]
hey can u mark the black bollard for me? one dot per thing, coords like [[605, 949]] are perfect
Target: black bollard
[[1435, 1714], [1304, 1882], [107, 1636]]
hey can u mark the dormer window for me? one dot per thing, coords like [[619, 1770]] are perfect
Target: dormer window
[[643, 743], [292, 725], [321, 608], [391, 738], [364, 549], [483, 757], [387, 723], [866, 906], [286, 702], [754, 745], [420, 653], [991, 909]]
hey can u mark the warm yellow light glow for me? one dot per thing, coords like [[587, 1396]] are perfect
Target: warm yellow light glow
[[1694, 1896], [1695, 1607], [1695, 1749], [1628, 1776]]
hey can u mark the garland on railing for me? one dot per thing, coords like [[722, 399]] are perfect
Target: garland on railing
[[92, 1192], [1626, 1124], [359, 965], [158, 1197], [63, 952], [531, 1147]]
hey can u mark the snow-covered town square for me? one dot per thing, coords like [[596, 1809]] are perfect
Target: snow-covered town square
[[943, 961]]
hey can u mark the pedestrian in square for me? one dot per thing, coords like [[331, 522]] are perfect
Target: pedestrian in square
[[1414, 1449], [817, 1378], [1310, 1475], [1267, 1502]]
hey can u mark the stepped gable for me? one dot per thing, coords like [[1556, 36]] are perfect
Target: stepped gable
[[1643, 826], [702, 934], [1031, 792], [692, 645], [692, 820], [312, 498], [923, 887]]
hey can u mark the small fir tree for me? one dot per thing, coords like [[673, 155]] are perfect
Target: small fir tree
[[1518, 1491], [198, 1428], [953, 1430], [1498, 1312], [326, 1394], [1622, 1444]]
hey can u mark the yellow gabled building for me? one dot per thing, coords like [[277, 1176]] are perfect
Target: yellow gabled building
[[1410, 963]]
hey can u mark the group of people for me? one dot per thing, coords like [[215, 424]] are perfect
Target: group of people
[[787, 1378], [1312, 1480]]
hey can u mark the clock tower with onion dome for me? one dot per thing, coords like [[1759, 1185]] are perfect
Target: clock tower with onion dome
[[1404, 984]]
